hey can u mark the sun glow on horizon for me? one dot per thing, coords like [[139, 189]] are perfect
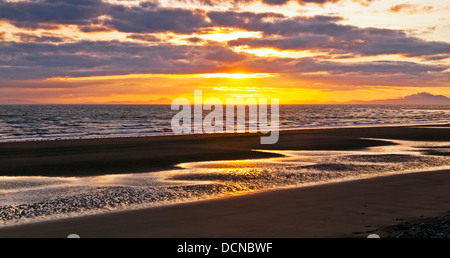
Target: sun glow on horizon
[[302, 52]]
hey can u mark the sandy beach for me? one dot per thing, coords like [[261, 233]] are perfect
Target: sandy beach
[[349, 209], [144, 154], [346, 209], [225, 119]]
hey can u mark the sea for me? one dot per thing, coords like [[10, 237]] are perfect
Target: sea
[[28, 199], [52, 122]]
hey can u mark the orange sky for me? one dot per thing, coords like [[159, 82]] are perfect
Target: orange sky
[[151, 52]]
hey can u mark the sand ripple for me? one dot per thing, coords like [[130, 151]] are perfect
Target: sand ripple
[[25, 199]]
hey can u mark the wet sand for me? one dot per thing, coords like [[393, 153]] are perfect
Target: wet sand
[[347, 209], [354, 208], [145, 154]]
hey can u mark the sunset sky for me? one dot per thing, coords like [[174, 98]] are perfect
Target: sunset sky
[[151, 52]]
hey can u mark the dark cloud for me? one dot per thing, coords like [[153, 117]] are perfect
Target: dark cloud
[[245, 20], [28, 37], [388, 73], [149, 20], [145, 18], [31, 60], [306, 66], [194, 39], [275, 2], [144, 37], [94, 28], [38, 57], [149, 17], [322, 33], [363, 46], [278, 24], [36, 25], [33, 13], [309, 65], [299, 43], [223, 55]]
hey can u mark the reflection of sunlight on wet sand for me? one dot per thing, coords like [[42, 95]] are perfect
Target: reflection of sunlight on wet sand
[[306, 168], [249, 163], [400, 157], [309, 157], [44, 197], [291, 161]]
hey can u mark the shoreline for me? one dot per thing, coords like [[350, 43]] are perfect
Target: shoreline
[[131, 208], [353, 209], [255, 214], [87, 157], [130, 136]]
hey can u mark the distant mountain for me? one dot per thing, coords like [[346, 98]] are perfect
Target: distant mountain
[[16, 102], [160, 101], [423, 98]]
